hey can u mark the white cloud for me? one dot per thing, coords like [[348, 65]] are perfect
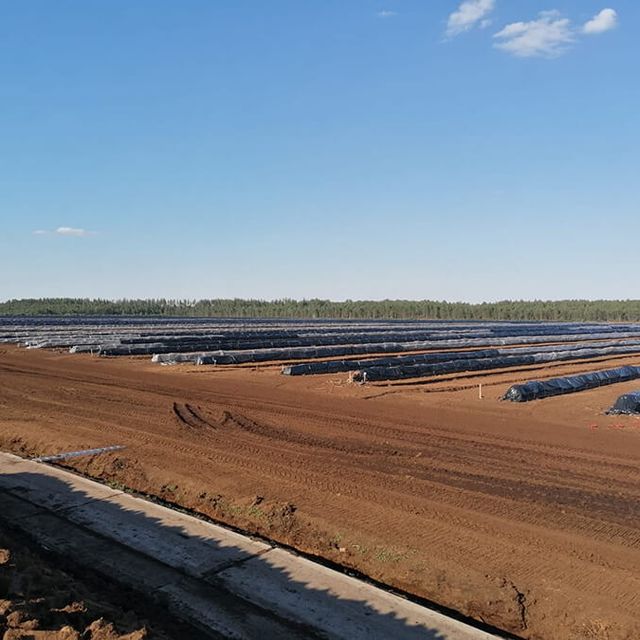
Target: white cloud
[[467, 15], [71, 231], [604, 21], [548, 36], [385, 13]]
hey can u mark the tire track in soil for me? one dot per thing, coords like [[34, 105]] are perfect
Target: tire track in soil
[[192, 417]]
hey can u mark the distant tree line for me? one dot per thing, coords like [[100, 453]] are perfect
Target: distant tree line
[[558, 310]]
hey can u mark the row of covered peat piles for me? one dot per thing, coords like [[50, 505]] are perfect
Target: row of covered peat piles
[[377, 350]]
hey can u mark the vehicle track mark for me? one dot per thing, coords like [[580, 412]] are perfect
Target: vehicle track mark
[[192, 417]]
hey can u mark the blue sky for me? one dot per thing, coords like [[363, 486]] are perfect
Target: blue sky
[[398, 149]]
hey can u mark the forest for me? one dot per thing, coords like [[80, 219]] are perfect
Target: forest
[[535, 310]]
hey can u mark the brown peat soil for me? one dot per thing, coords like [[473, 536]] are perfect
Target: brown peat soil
[[523, 516]]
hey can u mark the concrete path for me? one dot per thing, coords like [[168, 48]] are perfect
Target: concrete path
[[224, 583]]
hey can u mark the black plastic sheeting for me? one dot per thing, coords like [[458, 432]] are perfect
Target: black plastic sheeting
[[55, 331], [130, 335], [336, 366], [239, 340], [267, 355], [627, 404], [251, 355], [537, 389], [428, 339], [480, 364], [225, 356]]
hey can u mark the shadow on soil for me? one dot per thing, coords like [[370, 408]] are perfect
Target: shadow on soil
[[217, 577]]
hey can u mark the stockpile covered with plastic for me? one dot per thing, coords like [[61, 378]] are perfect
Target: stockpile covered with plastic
[[379, 342], [234, 356], [395, 372], [335, 366], [537, 389], [627, 404], [382, 349]]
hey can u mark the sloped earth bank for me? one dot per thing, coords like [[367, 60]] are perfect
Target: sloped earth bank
[[39, 600], [523, 516]]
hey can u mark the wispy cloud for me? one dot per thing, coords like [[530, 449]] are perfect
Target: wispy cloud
[[468, 14], [548, 36], [72, 232], [606, 20], [385, 13]]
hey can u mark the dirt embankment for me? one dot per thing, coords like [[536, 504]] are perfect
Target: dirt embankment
[[39, 600], [526, 517]]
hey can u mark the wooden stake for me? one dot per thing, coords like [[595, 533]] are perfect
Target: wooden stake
[[480, 391]]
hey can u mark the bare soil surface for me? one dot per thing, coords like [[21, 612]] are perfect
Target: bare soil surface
[[523, 516]]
